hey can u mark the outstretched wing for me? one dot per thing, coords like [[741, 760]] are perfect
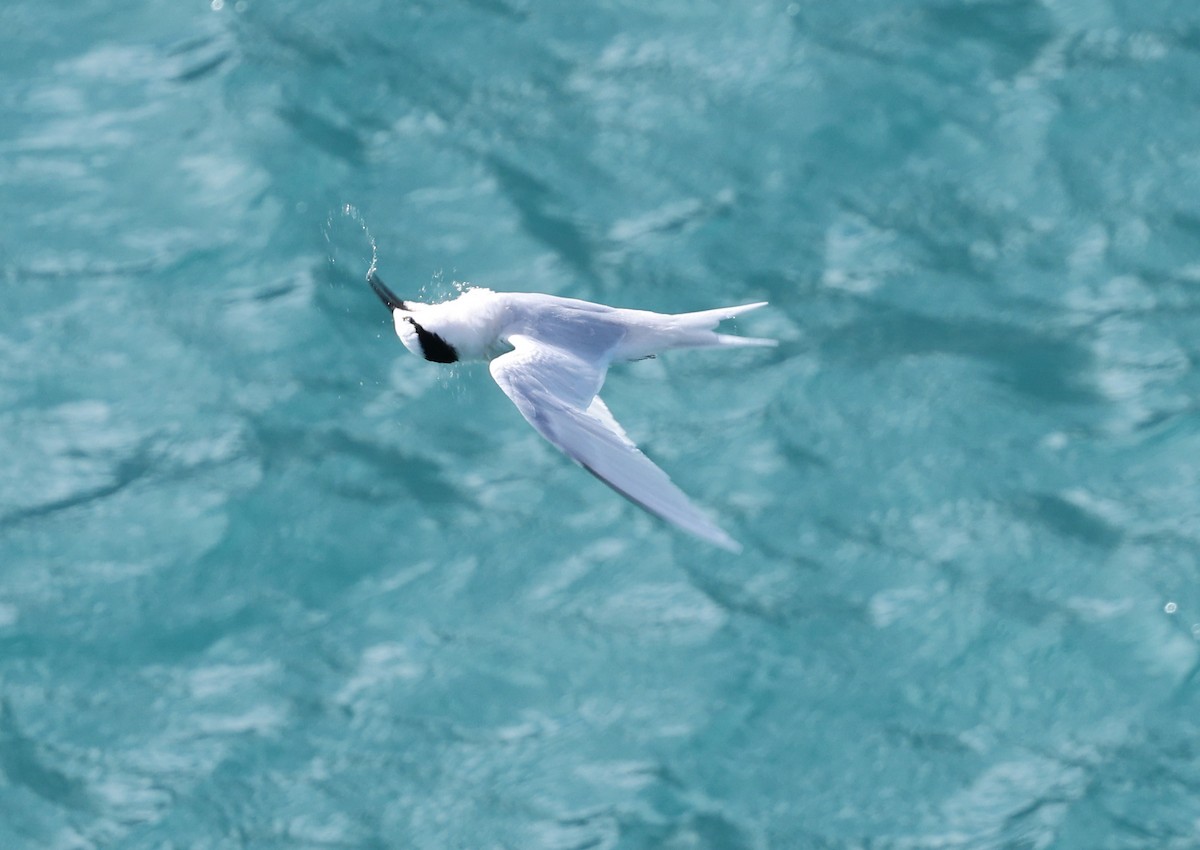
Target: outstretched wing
[[555, 390]]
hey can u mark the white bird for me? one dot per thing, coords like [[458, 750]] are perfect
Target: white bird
[[550, 356]]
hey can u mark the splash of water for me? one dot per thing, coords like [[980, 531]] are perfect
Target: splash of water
[[434, 289], [352, 213]]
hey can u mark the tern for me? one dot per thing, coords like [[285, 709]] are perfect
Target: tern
[[550, 356]]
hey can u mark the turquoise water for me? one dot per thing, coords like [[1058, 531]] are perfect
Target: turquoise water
[[268, 581]]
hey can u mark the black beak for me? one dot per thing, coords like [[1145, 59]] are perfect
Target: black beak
[[385, 295]]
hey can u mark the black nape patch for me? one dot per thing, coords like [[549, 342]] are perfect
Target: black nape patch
[[433, 346]]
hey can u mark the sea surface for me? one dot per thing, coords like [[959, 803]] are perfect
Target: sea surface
[[269, 581]]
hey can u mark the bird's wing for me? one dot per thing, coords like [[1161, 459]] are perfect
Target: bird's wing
[[555, 390]]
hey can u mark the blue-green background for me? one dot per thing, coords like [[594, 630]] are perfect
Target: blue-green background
[[268, 581]]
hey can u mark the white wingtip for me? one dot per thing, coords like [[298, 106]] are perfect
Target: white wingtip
[[725, 542]]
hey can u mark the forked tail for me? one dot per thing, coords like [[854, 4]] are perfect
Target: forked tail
[[698, 329]]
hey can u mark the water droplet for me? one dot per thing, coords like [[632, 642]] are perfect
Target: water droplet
[[331, 236], [1170, 607]]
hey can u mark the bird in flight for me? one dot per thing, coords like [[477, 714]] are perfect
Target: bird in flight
[[550, 356]]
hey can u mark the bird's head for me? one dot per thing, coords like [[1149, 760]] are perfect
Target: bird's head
[[415, 336]]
